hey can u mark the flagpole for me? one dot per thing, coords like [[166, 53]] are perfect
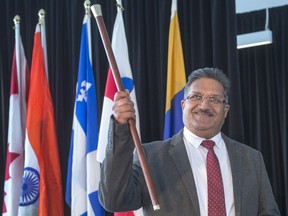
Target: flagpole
[[21, 77], [41, 15], [96, 10], [87, 5], [17, 46]]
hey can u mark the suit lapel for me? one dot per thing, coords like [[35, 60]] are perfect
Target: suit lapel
[[235, 157], [179, 156]]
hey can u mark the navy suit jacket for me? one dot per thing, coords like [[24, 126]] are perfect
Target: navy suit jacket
[[123, 188]]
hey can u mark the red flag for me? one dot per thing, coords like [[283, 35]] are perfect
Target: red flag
[[123, 213], [42, 187]]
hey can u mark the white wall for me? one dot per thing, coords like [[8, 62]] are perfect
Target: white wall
[[243, 6]]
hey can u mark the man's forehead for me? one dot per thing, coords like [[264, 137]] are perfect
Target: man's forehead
[[206, 83]]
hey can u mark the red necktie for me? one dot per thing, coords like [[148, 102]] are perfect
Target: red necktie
[[216, 200]]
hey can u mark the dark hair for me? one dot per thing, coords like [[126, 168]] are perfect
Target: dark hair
[[212, 73]]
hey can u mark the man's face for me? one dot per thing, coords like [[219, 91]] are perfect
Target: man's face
[[203, 117]]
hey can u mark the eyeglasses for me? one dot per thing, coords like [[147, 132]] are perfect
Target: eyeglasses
[[211, 99]]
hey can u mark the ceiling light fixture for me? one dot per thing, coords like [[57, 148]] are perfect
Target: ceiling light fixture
[[255, 38]]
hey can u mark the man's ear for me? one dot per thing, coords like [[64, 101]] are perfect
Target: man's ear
[[182, 104], [226, 108]]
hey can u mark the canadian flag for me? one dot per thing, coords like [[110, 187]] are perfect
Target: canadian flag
[[16, 128]]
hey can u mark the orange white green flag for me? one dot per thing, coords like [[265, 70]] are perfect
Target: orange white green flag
[[41, 184]]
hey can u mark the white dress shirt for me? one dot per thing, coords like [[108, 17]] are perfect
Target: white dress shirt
[[197, 157]]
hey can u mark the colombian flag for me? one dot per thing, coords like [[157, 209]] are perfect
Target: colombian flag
[[176, 78]]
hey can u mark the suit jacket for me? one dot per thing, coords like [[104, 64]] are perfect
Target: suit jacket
[[123, 188]]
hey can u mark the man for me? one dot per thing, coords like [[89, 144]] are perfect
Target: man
[[190, 178]]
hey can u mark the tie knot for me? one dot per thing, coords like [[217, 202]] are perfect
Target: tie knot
[[208, 144]]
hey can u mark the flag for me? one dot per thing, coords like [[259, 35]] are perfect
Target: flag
[[41, 183], [138, 212], [120, 49], [83, 168], [16, 128], [176, 78]]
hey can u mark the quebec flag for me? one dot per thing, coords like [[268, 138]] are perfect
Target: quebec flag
[[83, 169]]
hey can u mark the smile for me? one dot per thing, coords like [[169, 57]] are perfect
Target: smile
[[203, 112]]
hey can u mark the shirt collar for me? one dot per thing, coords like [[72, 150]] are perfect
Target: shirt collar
[[196, 140]]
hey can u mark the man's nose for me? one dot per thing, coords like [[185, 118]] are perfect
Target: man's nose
[[204, 103]]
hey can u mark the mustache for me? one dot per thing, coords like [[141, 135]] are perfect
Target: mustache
[[204, 111]]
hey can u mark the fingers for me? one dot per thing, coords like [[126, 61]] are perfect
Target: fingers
[[123, 108]]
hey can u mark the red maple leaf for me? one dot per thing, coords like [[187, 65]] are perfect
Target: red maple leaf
[[11, 156]]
